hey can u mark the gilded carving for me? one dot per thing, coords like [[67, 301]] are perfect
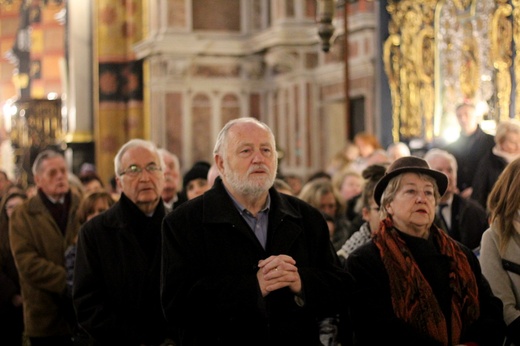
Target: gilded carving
[[461, 5], [442, 53], [409, 64], [469, 77], [391, 58], [501, 37], [516, 38], [464, 72]]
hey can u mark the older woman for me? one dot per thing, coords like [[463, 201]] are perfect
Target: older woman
[[506, 149], [414, 285]]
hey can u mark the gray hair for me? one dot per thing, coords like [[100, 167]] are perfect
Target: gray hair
[[464, 105], [504, 127], [166, 153], [399, 147], [135, 143], [436, 152], [222, 137], [44, 155]]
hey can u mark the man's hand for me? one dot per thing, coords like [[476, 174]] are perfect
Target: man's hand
[[277, 272]]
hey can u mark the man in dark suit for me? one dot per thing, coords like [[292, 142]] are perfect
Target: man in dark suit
[[471, 146], [463, 219], [243, 264], [116, 275]]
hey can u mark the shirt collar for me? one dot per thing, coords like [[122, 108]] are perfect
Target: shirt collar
[[241, 208], [449, 202]]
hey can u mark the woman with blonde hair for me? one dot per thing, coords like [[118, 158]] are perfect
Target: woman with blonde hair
[[500, 247], [506, 149]]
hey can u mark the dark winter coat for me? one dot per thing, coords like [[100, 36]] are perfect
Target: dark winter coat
[[116, 276], [468, 150], [209, 286], [486, 175], [469, 220], [373, 317]]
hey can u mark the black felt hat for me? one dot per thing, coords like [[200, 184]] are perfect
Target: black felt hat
[[407, 164], [198, 171]]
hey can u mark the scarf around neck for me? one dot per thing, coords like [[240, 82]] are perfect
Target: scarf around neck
[[413, 299]]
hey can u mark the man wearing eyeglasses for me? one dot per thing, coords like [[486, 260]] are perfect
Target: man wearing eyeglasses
[[116, 277]]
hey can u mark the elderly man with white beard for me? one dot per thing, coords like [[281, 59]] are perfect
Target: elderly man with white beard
[[243, 264]]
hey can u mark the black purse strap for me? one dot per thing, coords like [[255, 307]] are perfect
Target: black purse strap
[[511, 266]]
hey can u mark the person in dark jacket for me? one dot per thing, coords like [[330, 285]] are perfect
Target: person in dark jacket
[[506, 149], [243, 264], [413, 284], [11, 302], [463, 219], [469, 148], [116, 275]]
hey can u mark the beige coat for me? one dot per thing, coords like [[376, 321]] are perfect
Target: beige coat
[[505, 284], [38, 248]]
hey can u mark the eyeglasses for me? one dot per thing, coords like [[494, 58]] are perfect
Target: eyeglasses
[[134, 170]]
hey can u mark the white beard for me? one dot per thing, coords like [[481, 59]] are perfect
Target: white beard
[[251, 187]]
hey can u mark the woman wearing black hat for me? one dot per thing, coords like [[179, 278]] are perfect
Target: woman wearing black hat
[[195, 181], [414, 285]]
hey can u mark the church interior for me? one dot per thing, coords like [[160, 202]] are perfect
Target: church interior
[[87, 76]]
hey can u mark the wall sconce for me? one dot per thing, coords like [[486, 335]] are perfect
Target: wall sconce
[[324, 16]]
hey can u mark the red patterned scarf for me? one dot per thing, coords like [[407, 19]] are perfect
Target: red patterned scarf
[[412, 297]]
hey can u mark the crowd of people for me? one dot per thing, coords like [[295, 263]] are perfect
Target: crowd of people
[[381, 247]]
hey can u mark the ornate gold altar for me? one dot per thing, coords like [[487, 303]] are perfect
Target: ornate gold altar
[[443, 53], [36, 124]]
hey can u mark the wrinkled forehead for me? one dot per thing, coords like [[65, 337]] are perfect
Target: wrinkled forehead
[[169, 162], [440, 162], [139, 156], [55, 162], [416, 179], [249, 133]]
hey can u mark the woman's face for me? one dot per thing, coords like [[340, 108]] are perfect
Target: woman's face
[[196, 187], [11, 204], [371, 215], [100, 205], [413, 207], [511, 143], [328, 204], [351, 187], [365, 148]]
